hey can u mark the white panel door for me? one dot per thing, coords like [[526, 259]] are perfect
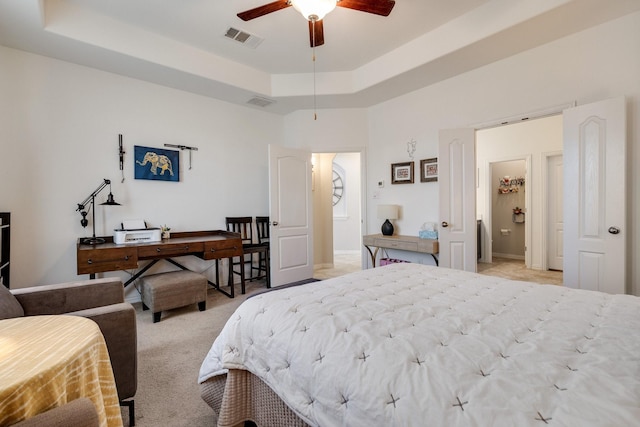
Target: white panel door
[[290, 213], [595, 194], [457, 188], [555, 217]]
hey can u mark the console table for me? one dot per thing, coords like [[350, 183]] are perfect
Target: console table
[[403, 243], [207, 245]]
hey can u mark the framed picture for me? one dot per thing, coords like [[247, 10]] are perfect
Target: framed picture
[[402, 173], [156, 164], [429, 170]]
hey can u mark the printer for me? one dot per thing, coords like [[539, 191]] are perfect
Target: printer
[[136, 231]]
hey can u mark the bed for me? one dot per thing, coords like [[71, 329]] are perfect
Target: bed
[[412, 345]]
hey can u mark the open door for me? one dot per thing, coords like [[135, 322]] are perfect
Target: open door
[[595, 196], [456, 179], [555, 217], [290, 213]]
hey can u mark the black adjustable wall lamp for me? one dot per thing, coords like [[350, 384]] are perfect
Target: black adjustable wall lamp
[[87, 204]]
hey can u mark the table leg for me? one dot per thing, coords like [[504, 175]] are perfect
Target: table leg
[[373, 255], [140, 273], [217, 284]]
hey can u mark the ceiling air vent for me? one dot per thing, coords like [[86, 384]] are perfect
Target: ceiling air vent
[[246, 39], [260, 102]]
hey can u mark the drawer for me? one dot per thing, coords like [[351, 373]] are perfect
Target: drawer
[[111, 259], [166, 250], [218, 249], [393, 244]]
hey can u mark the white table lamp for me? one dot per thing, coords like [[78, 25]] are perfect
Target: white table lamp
[[387, 212]]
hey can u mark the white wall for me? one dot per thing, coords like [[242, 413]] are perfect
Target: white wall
[[346, 224], [334, 131], [59, 126], [596, 64], [339, 130]]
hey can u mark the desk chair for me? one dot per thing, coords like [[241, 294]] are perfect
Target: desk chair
[[262, 227], [244, 226]]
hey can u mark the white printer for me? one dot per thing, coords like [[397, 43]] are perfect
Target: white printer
[[136, 231]]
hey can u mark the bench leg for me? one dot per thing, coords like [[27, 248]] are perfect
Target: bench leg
[[156, 317], [202, 305], [144, 307]]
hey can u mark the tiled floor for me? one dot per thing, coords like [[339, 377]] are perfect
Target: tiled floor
[[502, 267], [343, 263], [516, 270]]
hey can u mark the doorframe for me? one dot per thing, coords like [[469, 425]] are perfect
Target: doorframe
[[545, 204], [363, 188], [487, 214], [532, 115]]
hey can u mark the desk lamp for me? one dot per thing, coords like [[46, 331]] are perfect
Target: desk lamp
[[87, 204], [387, 212]]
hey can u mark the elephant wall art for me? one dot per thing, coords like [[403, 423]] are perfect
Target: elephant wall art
[[156, 164]]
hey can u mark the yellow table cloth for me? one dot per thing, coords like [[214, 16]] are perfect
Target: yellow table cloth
[[47, 361]]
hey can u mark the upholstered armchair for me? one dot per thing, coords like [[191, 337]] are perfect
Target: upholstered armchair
[[77, 413], [101, 300]]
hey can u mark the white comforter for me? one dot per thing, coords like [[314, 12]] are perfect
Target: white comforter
[[412, 345]]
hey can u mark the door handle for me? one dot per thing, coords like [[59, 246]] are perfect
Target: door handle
[[613, 230], [445, 224], [275, 223]]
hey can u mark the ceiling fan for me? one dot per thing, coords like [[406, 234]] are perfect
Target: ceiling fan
[[315, 10]]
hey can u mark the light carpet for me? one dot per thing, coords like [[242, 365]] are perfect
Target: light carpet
[[170, 353]]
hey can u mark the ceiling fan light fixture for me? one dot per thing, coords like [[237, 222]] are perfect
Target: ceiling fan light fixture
[[314, 10]]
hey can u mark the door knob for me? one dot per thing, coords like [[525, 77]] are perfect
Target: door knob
[[614, 230], [445, 224], [275, 223]]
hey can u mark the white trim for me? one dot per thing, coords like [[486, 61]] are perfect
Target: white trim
[[518, 118]]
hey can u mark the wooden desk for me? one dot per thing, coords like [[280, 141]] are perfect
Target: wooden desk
[[207, 245], [403, 243], [48, 361]]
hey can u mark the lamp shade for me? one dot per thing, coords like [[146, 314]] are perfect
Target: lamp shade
[[110, 201], [314, 9], [388, 211]]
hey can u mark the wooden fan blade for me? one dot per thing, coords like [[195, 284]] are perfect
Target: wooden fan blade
[[259, 11], [378, 7], [318, 31]]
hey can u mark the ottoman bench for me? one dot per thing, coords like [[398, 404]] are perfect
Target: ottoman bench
[[164, 291]]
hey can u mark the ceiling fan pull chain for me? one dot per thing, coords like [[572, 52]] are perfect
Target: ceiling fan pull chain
[[313, 38]]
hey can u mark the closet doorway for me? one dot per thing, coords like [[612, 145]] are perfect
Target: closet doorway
[[531, 142], [508, 209]]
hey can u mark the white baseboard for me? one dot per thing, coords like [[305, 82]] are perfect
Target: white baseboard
[[509, 256]]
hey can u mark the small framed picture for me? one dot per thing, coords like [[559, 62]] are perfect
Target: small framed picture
[[429, 170], [402, 173]]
